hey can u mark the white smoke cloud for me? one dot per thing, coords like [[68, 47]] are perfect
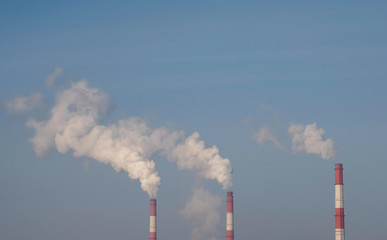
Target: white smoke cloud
[[127, 145], [24, 104], [78, 105], [264, 135], [50, 79], [309, 139], [202, 211], [192, 154]]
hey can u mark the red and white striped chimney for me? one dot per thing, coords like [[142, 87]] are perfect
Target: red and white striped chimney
[[152, 220], [339, 202], [230, 217]]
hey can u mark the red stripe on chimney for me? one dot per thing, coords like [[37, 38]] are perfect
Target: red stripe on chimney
[[339, 217], [339, 174]]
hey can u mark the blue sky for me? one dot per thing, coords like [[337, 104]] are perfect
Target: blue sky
[[205, 67]]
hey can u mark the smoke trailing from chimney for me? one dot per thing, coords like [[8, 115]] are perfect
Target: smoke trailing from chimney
[[192, 154], [127, 145], [310, 139]]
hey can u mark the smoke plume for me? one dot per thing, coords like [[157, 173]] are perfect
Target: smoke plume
[[127, 145], [309, 139], [50, 79], [193, 155], [24, 104], [264, 135], [202, 211]]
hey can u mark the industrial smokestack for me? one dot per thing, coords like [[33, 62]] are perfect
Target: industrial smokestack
[[152, 220], [230, 217], [339, 202]]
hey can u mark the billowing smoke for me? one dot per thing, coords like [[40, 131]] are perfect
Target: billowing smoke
[[202, 208], [24, 104], [202, 211], [127, 145], [310, 139], [192, 154], [77, 108], [264, 135]]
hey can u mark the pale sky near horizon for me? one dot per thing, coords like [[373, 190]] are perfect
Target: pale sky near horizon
[[225, 69]]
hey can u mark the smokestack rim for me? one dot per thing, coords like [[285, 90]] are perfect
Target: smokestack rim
[[339, 166], [339, 174]]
